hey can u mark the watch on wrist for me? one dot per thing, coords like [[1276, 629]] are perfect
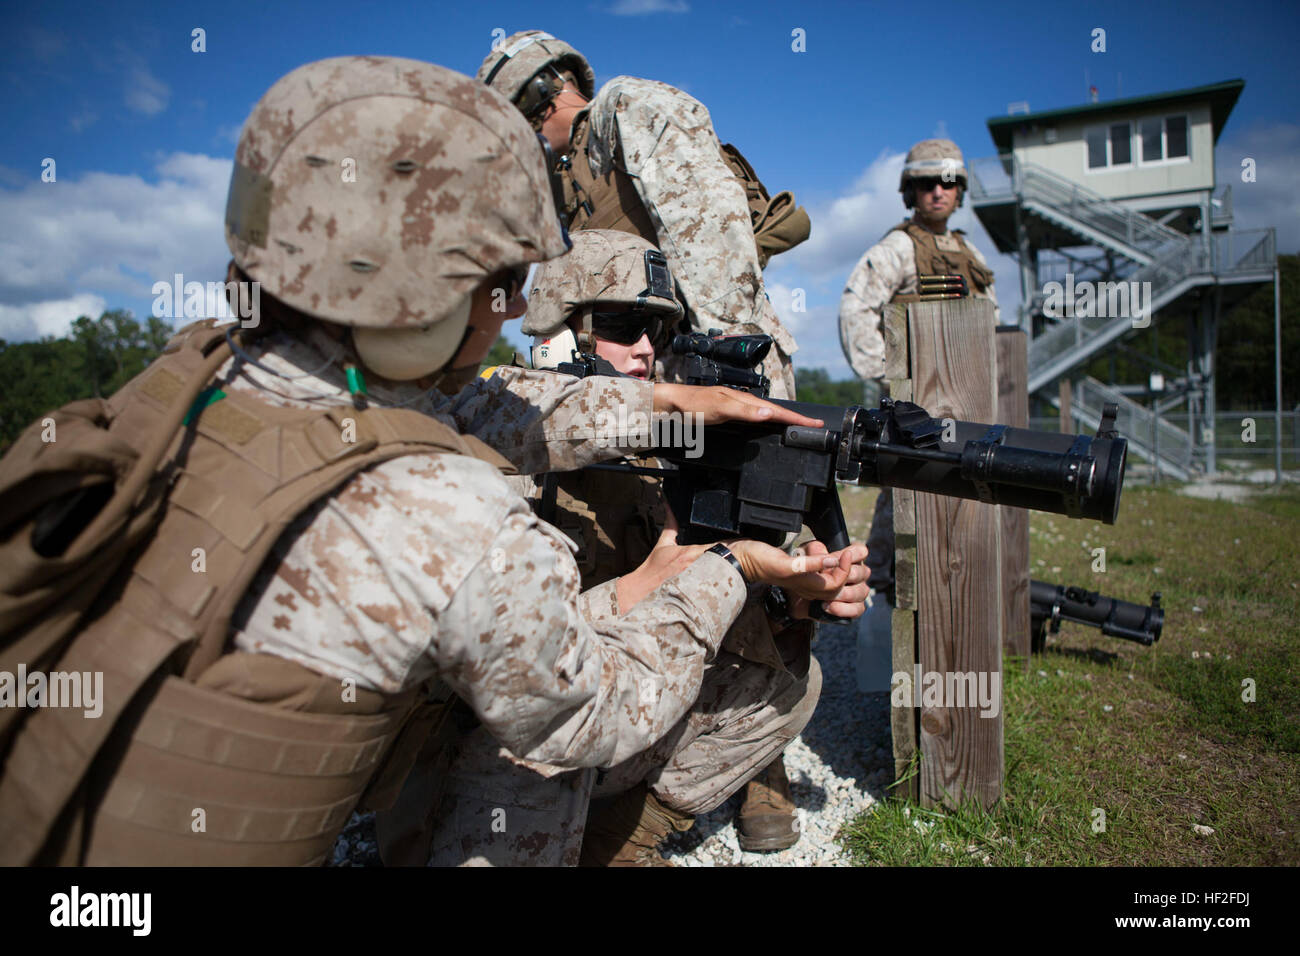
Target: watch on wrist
[[723, 551]]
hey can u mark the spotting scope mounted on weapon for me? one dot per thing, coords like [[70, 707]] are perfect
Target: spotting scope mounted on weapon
[[717, 359], [1050, 604]]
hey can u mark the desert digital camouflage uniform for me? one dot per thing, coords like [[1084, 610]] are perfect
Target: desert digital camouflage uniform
[[758, 692], [885, 271], [429, 565], [664, 140], [421, 569], [692, 206]]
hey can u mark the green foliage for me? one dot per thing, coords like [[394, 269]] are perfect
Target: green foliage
[[1245, 352], [501, 353], [1244, 378], [1159, 738], [1213, 690], [814, 385], [97, 358]]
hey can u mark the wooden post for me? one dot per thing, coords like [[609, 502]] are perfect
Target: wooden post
[[1013, 409], [904, 718], [959, 597], [1067, 422]]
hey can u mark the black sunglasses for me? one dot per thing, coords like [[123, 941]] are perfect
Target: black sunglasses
[[927, 184], [626, 328]]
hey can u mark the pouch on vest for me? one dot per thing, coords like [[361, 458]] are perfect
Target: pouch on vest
[[76, 501], [779, 224], [935, 262], [96, 531]]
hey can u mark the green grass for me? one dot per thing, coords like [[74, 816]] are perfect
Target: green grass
[[1158, 738]]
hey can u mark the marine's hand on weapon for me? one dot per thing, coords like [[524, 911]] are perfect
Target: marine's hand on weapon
[[718, 404], [817, 576], [850, 602]]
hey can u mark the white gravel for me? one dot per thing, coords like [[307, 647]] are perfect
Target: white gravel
[[838, 767]]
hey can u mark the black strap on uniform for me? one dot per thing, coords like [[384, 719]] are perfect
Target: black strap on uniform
[[550, 491]]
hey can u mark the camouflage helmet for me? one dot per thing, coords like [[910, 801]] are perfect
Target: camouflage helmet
[[606, 271], [379, 192], [518, 59], [933, 159]]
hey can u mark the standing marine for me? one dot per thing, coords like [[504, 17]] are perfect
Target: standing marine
[[641, 156], [920, 259]]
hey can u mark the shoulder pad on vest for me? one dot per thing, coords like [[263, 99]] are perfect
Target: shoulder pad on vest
[[200, 335]]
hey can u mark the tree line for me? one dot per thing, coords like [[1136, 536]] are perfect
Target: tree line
[[99, 356], [95, 359]]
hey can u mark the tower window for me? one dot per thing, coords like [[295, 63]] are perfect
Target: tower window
[[1109, 145], [1121, 144], [1163, 138]]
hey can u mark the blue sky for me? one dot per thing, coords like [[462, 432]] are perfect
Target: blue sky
[[142, 129]]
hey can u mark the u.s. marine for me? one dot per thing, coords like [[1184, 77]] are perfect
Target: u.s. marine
[[641, 156], [364, 557], [612, 298], [919, 259]]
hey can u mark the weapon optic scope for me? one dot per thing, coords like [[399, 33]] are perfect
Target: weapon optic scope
[[738, 351]]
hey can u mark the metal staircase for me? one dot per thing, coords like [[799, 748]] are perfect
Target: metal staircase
[[1173, 263], [1028, 207], [1073, 341], [1093, 217]]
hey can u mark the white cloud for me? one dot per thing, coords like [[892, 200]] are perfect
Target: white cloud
[[848, 225], [23, 323], [145, 93], [637, 8], [816, 331], [1273, 199], [108, 235], [782, 298]]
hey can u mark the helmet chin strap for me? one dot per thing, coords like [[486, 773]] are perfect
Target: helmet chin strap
[[586, 337], [403, 355]]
